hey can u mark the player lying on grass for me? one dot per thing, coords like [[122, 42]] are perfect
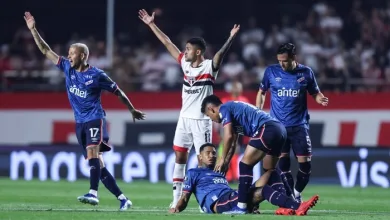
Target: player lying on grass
[[214, 195]]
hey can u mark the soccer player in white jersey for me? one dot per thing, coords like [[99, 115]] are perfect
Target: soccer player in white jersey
[[193, 128]]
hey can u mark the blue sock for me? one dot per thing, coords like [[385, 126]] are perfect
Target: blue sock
[[109, 182], [284, 166], [94, 173], [245, 182], [286, 185], [303, 176], [276, 182], [278, 199]]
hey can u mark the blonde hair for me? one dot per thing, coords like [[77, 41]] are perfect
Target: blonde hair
[[82, 48]]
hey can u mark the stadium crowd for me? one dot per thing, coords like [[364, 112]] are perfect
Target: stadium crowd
[[348, 51]]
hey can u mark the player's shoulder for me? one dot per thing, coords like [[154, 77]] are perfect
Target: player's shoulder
[[273, 68], [226, 104], [304, 68], [197, 171], [96, 72]]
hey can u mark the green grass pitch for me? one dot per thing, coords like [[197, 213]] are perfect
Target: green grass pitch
[[57, 200]]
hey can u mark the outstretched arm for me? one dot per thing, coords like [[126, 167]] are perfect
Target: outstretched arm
[[42, 45], [149, 20], [136, 113], [218, 57], [183, 202]]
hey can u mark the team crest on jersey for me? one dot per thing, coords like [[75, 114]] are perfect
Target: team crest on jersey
[[301, 79], [72, 76], [191, 80], [278, 79], [89, 82]]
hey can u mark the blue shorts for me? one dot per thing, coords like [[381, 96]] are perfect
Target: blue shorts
[[270, 138], [93, 133], [299, 140], [227, 201]]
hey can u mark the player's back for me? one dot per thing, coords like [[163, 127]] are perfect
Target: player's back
[[209, 186], [84, 90], [288, 93], [198, 84], [246, 118]]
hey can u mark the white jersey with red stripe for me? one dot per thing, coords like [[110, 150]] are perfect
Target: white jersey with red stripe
[[198, 84]]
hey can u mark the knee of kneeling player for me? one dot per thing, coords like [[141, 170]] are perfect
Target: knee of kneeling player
[[305, 167], [284, 164]]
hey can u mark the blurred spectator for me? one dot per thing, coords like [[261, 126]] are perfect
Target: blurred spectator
[[346, 44]]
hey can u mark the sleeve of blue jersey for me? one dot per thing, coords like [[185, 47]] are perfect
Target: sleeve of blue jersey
[[63, 64], [312, 84], [188, 182], [264, 85], [106, 83], [225, 115]]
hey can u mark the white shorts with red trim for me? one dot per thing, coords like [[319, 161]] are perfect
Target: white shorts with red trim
[[192, 132]]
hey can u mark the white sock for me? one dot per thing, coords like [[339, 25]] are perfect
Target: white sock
[[241, 205], [179, 172], [93, 192], [122, 197], [296, 193]]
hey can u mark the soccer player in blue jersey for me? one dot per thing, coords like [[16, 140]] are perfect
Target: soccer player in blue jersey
[[267, 138], [288, 83], [84, 85], [214, 195]]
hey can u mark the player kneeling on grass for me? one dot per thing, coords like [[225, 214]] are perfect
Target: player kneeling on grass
[[214, 195]]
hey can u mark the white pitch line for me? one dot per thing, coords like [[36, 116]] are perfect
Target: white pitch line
[[192, 211]]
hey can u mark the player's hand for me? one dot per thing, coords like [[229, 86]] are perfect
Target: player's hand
[[145, 17], [30, 21], [137, 115], [322, 100], [221, 166], [235, 29], [173, 210]]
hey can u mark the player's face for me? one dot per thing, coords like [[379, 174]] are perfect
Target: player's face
[[75, 57], [213, 112], [191, 52], [208, 156], [285, 62]]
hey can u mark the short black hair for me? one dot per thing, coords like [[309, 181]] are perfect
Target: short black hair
[[206, 145], [288, 48], [199, 42], [213, 99]]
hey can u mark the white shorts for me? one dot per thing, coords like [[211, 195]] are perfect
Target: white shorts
[[192, 132]]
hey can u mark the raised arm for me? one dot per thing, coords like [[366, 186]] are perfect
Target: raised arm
[[149, 20], [218, 57], [42, 45]]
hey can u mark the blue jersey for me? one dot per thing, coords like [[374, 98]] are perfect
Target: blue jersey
[[84, 90], [288, 93], [207, 185], [245, 118]]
